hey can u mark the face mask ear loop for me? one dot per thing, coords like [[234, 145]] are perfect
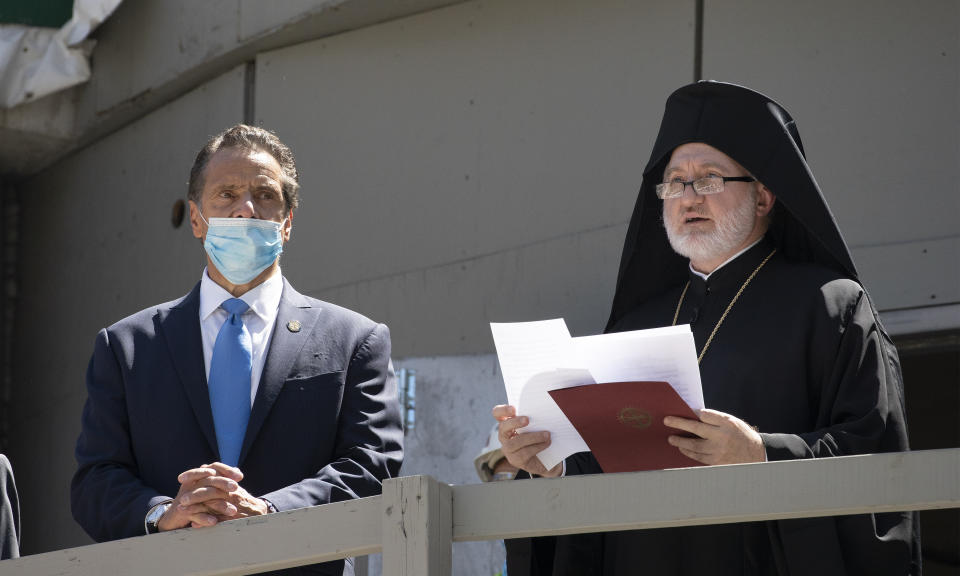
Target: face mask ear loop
[[200, 212]]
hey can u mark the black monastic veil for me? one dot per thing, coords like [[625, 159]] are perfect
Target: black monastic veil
[[762, 137], [802, 355]]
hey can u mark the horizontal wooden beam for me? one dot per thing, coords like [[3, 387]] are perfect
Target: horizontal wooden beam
[[416, 513], [246, 546], [708, 495]]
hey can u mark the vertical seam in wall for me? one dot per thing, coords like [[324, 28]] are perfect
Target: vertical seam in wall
[[9, 242], [249, 92], [698, 41]]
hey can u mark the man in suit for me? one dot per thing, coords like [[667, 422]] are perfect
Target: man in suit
[[244, 397]]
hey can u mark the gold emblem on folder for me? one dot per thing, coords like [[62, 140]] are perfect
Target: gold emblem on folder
[[293, 326], [634, 417]]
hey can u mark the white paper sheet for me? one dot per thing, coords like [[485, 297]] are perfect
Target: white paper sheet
[[545, 414], [527, 348], [659, 354], [536, 357]]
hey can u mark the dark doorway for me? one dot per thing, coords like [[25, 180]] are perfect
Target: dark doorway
[[931, 375]]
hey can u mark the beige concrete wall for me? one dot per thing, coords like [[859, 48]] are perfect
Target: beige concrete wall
[[494, 176], [149, 53], [474, 163], [97, 244], [875, 90], [454, 395], [146, 46]]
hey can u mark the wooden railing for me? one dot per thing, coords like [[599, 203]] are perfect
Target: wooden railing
[[416, 519]]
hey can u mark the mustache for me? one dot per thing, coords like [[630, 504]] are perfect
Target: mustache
[[695, 211]]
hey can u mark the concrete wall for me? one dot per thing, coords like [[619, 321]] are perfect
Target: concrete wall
[[484, 158], [150, 53], [467, 164], [454, 395], [875, 90]]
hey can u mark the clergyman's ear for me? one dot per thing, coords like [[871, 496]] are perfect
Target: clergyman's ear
[[765, 200]]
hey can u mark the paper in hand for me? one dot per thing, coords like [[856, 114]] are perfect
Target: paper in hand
[[536, 357]]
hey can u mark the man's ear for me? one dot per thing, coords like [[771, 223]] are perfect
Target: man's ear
[[765, 200], [196, 223], [287, 227]]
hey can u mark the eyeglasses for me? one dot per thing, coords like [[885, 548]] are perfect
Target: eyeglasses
[[702, 186]]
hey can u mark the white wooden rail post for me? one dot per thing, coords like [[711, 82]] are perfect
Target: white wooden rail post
[[417, 527]]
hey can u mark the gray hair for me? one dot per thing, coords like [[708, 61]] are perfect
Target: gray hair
[[248, 138]]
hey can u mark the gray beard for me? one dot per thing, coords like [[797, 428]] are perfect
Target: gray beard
[[730, 231]]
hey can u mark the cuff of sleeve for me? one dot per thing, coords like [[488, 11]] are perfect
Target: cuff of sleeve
[[784, 447], [156, 500]]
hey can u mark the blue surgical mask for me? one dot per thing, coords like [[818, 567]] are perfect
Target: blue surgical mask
[[242, 248]]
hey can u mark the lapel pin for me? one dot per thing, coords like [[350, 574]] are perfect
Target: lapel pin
[[293, 325]]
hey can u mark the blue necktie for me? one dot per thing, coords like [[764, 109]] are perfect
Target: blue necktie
[[229, 384]]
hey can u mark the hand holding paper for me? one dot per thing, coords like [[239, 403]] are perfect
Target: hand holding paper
[[539, 357], [520, 448]]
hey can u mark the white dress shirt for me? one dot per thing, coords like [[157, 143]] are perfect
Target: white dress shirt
[[264, 302]]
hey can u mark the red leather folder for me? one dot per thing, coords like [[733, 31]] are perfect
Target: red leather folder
[[622, 423]]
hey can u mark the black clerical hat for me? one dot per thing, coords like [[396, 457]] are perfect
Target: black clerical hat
[[762, 137]]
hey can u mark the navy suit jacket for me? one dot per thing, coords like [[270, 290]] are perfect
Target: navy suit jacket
[[324, 426]]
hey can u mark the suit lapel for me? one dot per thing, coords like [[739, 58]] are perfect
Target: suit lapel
[[294, 312], [180, 326]]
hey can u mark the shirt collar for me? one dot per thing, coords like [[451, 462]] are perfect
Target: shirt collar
[[725, 262], [263, 299]]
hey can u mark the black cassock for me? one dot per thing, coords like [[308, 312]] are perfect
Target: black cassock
[[801, 356]]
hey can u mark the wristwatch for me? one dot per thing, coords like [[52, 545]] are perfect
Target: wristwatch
[[154, 515]]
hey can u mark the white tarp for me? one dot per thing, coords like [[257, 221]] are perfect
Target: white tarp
[[35, 62]]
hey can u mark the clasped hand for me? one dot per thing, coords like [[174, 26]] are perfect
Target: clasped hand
[[208, 495]]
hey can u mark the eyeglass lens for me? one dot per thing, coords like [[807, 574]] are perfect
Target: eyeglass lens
[[702, 186]]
